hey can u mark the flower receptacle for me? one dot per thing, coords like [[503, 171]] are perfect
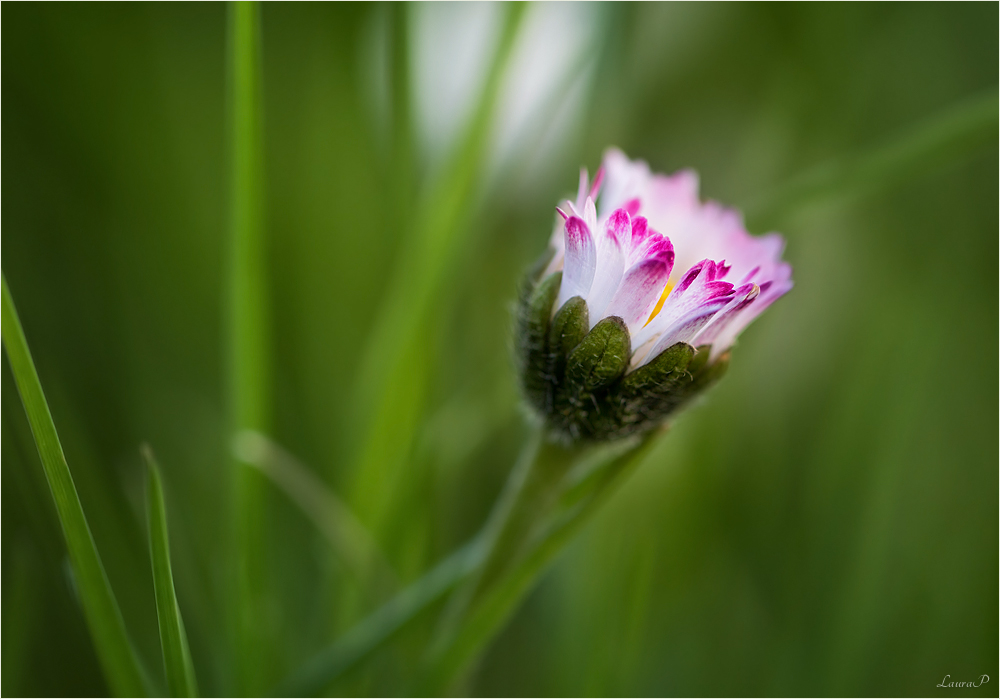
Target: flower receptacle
[[579, 382]]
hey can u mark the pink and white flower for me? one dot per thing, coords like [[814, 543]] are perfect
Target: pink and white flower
[[647, 250]]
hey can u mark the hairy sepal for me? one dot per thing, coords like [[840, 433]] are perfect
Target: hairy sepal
[[593, 368], [568, 329], [536, 310]]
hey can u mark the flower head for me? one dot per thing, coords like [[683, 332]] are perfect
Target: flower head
[[640, 273]]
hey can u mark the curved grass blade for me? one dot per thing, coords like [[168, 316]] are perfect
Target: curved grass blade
[[350, 540], [393, 379], [943, 138], [173, 640], [380, 627], [114, 649]]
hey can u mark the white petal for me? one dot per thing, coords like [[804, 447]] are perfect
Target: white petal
[[638, 292], [610, 264], [580, 263]]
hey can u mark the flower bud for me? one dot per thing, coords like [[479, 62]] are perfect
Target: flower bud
[[608, 328]]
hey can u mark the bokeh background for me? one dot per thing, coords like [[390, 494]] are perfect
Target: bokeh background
[[824, 523]]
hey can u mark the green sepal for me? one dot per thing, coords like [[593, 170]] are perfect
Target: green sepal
[[700, 359], [600, 358], [533, 339], [647, 395], [675, 392], [569, 327], [531, 277], [593, 367], [704, 374], [666, 369]]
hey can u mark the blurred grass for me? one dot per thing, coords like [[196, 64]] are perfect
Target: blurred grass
[[937, 142], [349, 539], [118, 658], [395, 362], [825, 523], [248, 348], [173, 640]]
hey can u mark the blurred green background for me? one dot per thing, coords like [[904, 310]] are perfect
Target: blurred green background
[[824, 523]]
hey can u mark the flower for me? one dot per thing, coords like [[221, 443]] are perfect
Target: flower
[[701, 279], [649, 292]]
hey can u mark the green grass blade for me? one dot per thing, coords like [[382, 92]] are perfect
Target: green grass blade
[[945, 137], [393, 379], [352, 543], [114, 649], [380, 627], [248, 301], [248, 339], [173, 640], [401, 176]]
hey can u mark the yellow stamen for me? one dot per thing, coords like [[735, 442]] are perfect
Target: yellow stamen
[[659, 304]]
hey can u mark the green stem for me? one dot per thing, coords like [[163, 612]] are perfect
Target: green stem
[[529, 529], [529, 495], [590, 479], [100, 608], [248, 351]]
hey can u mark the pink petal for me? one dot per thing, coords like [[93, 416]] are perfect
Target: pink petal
[[625, 179], [750, 275], [581, 261], [655, 245], [581, 190], [640, 230], [685, 328], [696, 292], [744, 296], [639, 291], [598, 181], [590, 214], [619, 225], [610, 264], [770, 292]]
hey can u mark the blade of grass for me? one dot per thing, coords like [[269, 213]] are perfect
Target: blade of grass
[[115, 651], [401, 179], [248, 342], [393, 378], [173, 640], [377, 629], [350, 540], [945, 137]]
